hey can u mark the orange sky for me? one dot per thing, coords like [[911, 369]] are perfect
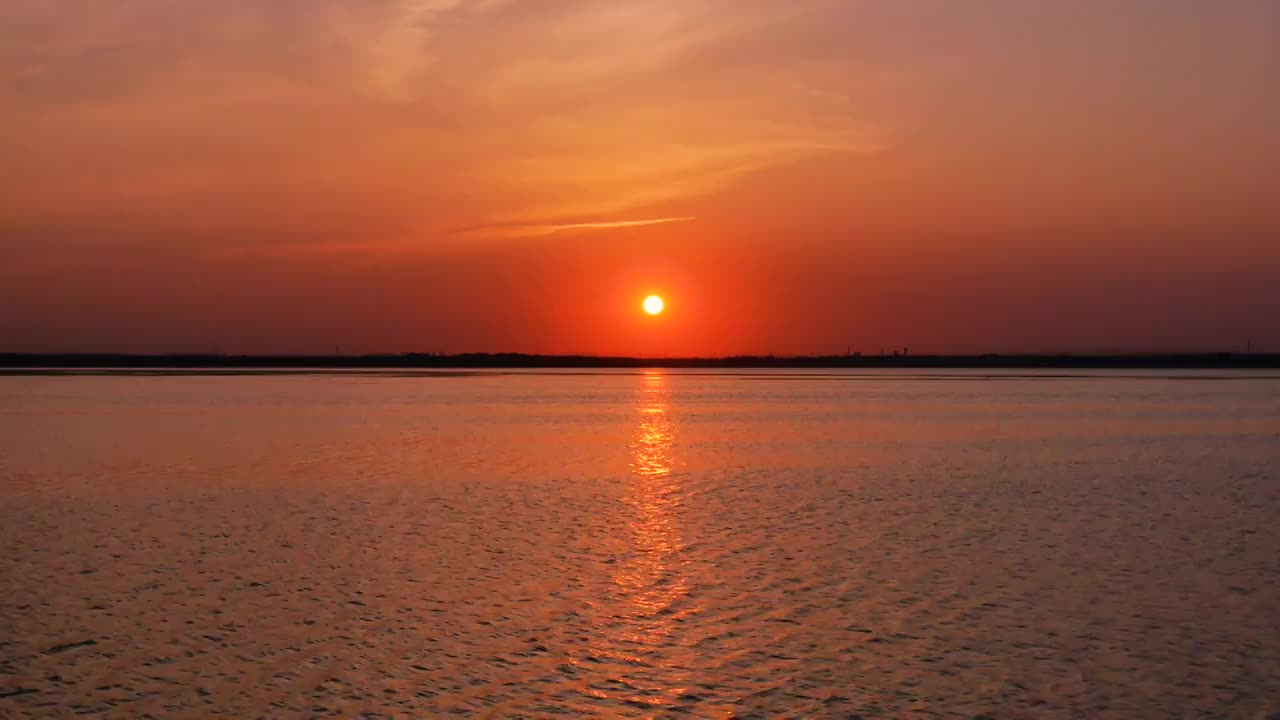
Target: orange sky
[[486, 175]]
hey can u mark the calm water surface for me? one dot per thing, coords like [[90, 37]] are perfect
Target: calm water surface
[[658, 544]]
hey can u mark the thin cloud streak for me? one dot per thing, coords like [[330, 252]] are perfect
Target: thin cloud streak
[[540, 230]]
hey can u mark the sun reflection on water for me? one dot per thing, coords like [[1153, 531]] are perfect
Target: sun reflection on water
[[650, 581], [651, 448]]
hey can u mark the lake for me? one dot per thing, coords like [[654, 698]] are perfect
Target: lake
[[640, 544]]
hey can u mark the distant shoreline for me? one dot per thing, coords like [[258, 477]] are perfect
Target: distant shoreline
[[496, 361]]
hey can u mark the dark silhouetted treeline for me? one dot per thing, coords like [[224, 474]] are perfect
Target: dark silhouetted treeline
[[517, 360]]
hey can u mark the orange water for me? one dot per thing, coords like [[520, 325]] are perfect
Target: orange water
[[653, 544]]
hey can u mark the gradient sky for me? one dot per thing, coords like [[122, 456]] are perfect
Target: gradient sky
[[794, 177]]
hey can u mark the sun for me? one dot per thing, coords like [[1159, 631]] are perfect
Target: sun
[[653, 305]]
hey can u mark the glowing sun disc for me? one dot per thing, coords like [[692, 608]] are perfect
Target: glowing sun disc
[[653, 304]]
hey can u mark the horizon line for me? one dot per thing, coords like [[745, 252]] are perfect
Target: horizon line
[[37, 363]]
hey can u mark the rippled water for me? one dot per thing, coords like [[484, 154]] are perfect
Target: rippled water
[[640, 545]]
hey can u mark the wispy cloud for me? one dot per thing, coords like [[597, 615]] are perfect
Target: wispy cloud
[[440, 113], [538, 230]]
